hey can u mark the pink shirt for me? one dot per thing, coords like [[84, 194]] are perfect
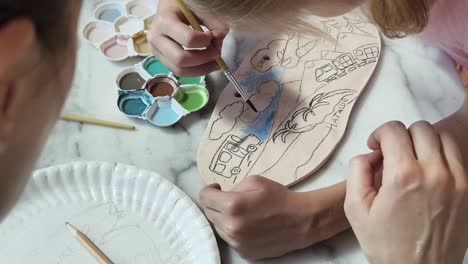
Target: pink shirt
[[448, 28]]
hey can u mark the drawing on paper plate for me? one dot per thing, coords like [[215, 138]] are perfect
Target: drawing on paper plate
[[304, 88]]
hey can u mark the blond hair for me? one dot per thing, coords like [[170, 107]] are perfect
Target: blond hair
[[396, 18]]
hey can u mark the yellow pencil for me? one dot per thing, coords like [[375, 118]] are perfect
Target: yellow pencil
[[222, 65], [89, 245], [82, 119]]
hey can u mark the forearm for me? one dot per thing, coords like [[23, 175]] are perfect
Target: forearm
[[322, 212]]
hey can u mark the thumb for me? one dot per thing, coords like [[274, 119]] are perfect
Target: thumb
[[361, 190]]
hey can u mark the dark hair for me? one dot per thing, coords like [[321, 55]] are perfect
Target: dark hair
[[48, 16]]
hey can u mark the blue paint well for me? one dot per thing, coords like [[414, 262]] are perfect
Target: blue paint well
[[134, 103], [165, 115], [252, 79]]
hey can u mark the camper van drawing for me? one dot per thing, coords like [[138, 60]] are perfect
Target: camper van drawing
[[346, 63], [337, 68], [231, 155], [367, 54]]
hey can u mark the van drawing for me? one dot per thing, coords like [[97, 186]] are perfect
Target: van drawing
[[231, 155], [367, 54], [328, 73], [345, 62]]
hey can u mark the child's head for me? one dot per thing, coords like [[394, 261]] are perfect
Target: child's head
[[395, 17], [37, 58]]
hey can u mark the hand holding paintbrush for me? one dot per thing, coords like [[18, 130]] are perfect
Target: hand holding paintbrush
[[161, 43]]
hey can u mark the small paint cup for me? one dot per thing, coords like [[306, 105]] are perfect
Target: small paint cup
[[110, 12], [141, 8], [129, 25], [130, 79], [154, 66], [98, 31], [116, 48], [141, 44], [162, 86]]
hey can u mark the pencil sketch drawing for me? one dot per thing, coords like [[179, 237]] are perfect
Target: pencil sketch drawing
[[305, 87]]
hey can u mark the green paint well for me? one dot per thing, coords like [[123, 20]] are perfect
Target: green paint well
[[154, 66], [194, 80], [193, 99]]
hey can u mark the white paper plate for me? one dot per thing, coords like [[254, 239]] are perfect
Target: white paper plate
[[134, 216]]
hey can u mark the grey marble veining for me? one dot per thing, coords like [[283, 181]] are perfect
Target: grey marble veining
[[412, 82]]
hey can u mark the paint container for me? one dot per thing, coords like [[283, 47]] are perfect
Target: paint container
[[116, 22], [141, 44], [116, 48], [129, 25], [148, 23], [153, 66], [192, 97], [141, 8], [110, 12], [162, 86], [98, 31], [159, 98]]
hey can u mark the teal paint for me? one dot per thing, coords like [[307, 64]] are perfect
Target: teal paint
[[154, 66], [131, 105], [110, 15]]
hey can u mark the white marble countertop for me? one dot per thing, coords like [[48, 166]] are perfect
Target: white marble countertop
[[412, 82]]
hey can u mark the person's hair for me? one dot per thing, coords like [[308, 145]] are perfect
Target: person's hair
[[48, 16], [396, 18]]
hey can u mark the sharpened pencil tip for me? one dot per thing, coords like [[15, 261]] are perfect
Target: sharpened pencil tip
[[251, 106]]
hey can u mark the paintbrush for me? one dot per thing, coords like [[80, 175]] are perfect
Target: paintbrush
[[89, 245], [222, 65], [87, 120]]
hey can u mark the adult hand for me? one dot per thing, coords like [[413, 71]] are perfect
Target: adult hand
[[407, 200], [170, 33], [261, 219]]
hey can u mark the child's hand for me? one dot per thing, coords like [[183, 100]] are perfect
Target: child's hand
[[258, 218], [407, 201], [170, 32]]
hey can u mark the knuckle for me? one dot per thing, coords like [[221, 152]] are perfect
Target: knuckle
[[439, 177], [234, 207], [408, 173], [191, 40], [234, 229], [394, 125], [180, 58], [356, 161], [254, 180]]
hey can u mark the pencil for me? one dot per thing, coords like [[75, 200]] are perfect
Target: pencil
[[82, 119], [89, 245], [222, 65]]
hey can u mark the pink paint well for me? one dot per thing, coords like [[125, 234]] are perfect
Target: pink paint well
[[98, 32], [116, 49]]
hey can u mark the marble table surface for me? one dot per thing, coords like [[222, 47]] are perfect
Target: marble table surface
[[412, 82]]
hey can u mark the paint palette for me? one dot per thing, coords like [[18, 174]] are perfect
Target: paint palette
[[119, 30], [150, 91]]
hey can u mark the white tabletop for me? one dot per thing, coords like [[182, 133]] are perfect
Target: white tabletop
[[412, 82]]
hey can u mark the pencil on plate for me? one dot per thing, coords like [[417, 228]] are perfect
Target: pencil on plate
[[222, 65], [88, 120], [89, 245]]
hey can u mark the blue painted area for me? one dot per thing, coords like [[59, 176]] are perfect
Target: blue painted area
[[252, 79], [165, 115]]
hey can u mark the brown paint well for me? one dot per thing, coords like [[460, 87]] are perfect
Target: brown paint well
[[161, 87]]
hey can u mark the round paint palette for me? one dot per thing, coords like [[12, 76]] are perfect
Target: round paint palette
[[119, 30], [150, 91]]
